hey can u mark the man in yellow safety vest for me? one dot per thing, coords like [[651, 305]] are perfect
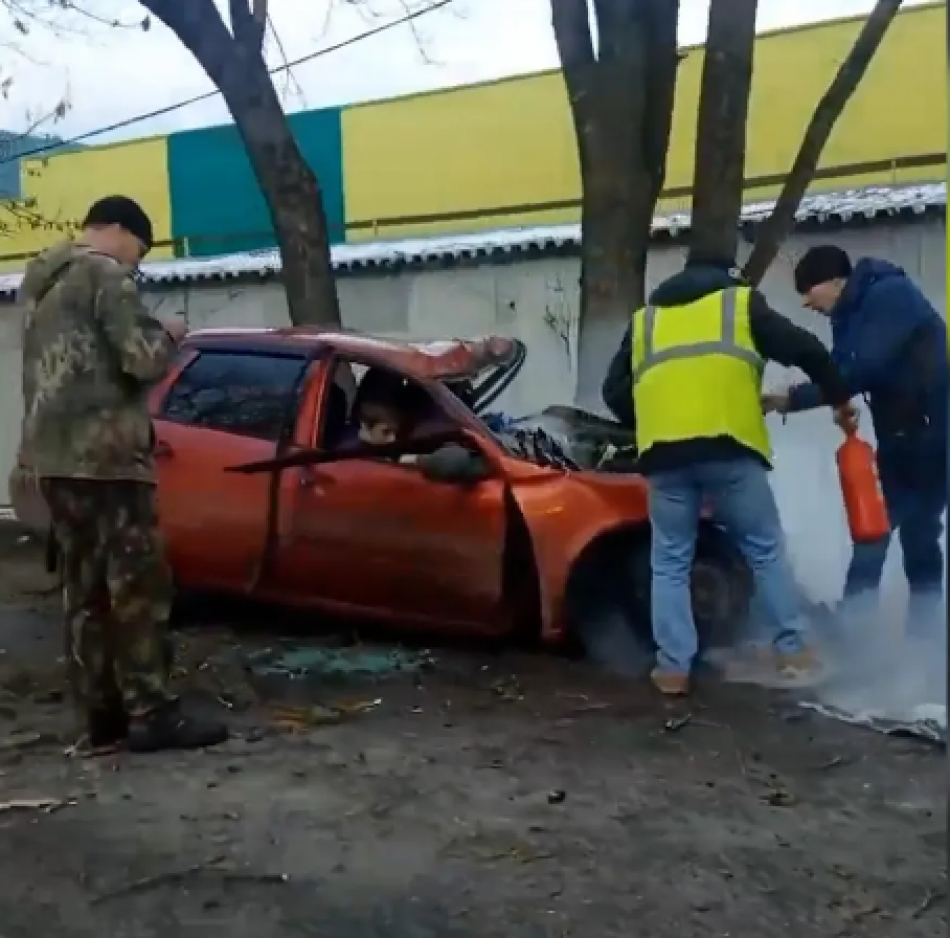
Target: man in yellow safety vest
[[688, 377]]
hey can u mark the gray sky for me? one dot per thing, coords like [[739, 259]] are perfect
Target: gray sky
[[112, 74]]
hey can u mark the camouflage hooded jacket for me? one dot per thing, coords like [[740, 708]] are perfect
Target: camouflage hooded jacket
[[90, 351]]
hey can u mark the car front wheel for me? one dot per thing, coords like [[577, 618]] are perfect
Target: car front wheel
[[720, 587]]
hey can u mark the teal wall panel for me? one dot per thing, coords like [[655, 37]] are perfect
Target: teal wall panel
[[216, 203]]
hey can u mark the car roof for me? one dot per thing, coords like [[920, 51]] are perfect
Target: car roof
[[436, 360]]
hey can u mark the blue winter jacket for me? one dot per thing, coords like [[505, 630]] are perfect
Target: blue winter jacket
[[891, 346]]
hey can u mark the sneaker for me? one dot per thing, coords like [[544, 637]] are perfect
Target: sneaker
[[170, 728], [671, 683], [799, 668]]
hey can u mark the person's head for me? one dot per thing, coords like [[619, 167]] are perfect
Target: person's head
[[380, 423], [821, 275], [119, 227], [380, 408]]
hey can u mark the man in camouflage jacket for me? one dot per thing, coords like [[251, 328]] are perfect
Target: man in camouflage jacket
[[90, 351]]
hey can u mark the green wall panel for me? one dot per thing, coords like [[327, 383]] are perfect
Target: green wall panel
[[216, 203]]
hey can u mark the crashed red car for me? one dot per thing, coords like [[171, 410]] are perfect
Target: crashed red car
[[540, 529]]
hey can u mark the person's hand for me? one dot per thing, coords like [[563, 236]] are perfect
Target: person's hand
[[846, 417], [775, 402], [177, 328]]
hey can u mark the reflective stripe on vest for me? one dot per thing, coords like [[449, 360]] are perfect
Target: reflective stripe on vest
[[726, 345]]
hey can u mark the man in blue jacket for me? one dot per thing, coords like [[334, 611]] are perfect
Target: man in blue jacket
[[891, 346]]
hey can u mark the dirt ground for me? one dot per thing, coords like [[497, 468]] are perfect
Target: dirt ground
[[483, 795]]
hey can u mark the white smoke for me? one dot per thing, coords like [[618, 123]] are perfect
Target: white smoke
[[876, 672]]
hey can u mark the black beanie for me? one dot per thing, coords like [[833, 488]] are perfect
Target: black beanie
[[820, 264], [124, 212]]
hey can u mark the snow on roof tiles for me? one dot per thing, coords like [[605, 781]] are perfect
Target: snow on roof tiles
[[844, 207]]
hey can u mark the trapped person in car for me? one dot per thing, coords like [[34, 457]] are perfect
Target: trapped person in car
[[891, 346], [90, 350], [381, 409], [688, 377]]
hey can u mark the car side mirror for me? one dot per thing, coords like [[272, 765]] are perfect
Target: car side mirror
[[454, 464]]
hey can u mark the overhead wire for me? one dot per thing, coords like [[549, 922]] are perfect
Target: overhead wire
[[207, 95]]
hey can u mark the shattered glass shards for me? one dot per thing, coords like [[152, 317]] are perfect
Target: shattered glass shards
[[295, 662]]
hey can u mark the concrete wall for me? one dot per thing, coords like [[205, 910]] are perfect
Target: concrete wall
[[11, 398], [536, 301]]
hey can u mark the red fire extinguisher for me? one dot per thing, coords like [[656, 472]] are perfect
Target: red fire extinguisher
[[863, 499]]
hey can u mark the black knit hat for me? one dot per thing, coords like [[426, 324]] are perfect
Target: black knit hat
[[820, 264], [124, 212]]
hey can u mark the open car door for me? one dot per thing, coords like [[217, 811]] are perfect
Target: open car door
[[359, 531]]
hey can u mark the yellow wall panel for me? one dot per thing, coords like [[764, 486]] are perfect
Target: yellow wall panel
[[464, 154], [61, 188], [508, 143], [899, 110]]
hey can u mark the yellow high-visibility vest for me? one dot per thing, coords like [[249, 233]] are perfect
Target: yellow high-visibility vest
[[697, 374]]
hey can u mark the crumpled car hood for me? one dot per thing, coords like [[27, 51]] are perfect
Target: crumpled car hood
[[568, 438]]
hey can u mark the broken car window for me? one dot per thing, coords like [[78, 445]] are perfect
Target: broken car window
[[243, 393]]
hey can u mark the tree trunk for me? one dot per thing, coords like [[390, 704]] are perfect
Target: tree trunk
[[621, 103], [721, 129], [291, 191], [772, 232], [236, 66]]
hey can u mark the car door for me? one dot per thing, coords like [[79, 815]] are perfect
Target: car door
[[224, 408], [375, 537]]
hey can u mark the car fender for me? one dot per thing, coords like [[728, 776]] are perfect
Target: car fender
[[564, 514]]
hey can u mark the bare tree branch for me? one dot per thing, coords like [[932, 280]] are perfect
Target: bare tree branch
[[249, 23], [772, 232]]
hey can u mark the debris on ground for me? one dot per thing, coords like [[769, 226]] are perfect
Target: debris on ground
[[46, 805], [302, 718], [928, 722], [214, 867], [327, 662]]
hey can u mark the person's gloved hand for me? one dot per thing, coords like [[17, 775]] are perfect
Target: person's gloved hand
[[846, 417], [775, 402]]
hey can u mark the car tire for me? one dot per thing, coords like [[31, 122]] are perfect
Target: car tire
[[604, 622], [721, 589]]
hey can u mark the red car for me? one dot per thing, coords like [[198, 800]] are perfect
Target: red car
[[536, 526]]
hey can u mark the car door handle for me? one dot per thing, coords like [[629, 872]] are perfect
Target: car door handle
[[162, 449], [311, 478]]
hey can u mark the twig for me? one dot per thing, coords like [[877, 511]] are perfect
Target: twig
[[741, 760], [174, 876], [927, 903], [675, 724], [831, 764]]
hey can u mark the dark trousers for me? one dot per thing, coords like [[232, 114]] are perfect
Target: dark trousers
[[117, 592], [916, 515]]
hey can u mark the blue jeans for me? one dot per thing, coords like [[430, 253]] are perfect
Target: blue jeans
[[745, 506], [917, 516]]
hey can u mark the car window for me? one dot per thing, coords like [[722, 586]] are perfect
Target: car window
[[242, 393]]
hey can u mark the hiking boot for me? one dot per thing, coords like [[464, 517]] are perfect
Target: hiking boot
[[107, 727], [671, 683], [170, 728]]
